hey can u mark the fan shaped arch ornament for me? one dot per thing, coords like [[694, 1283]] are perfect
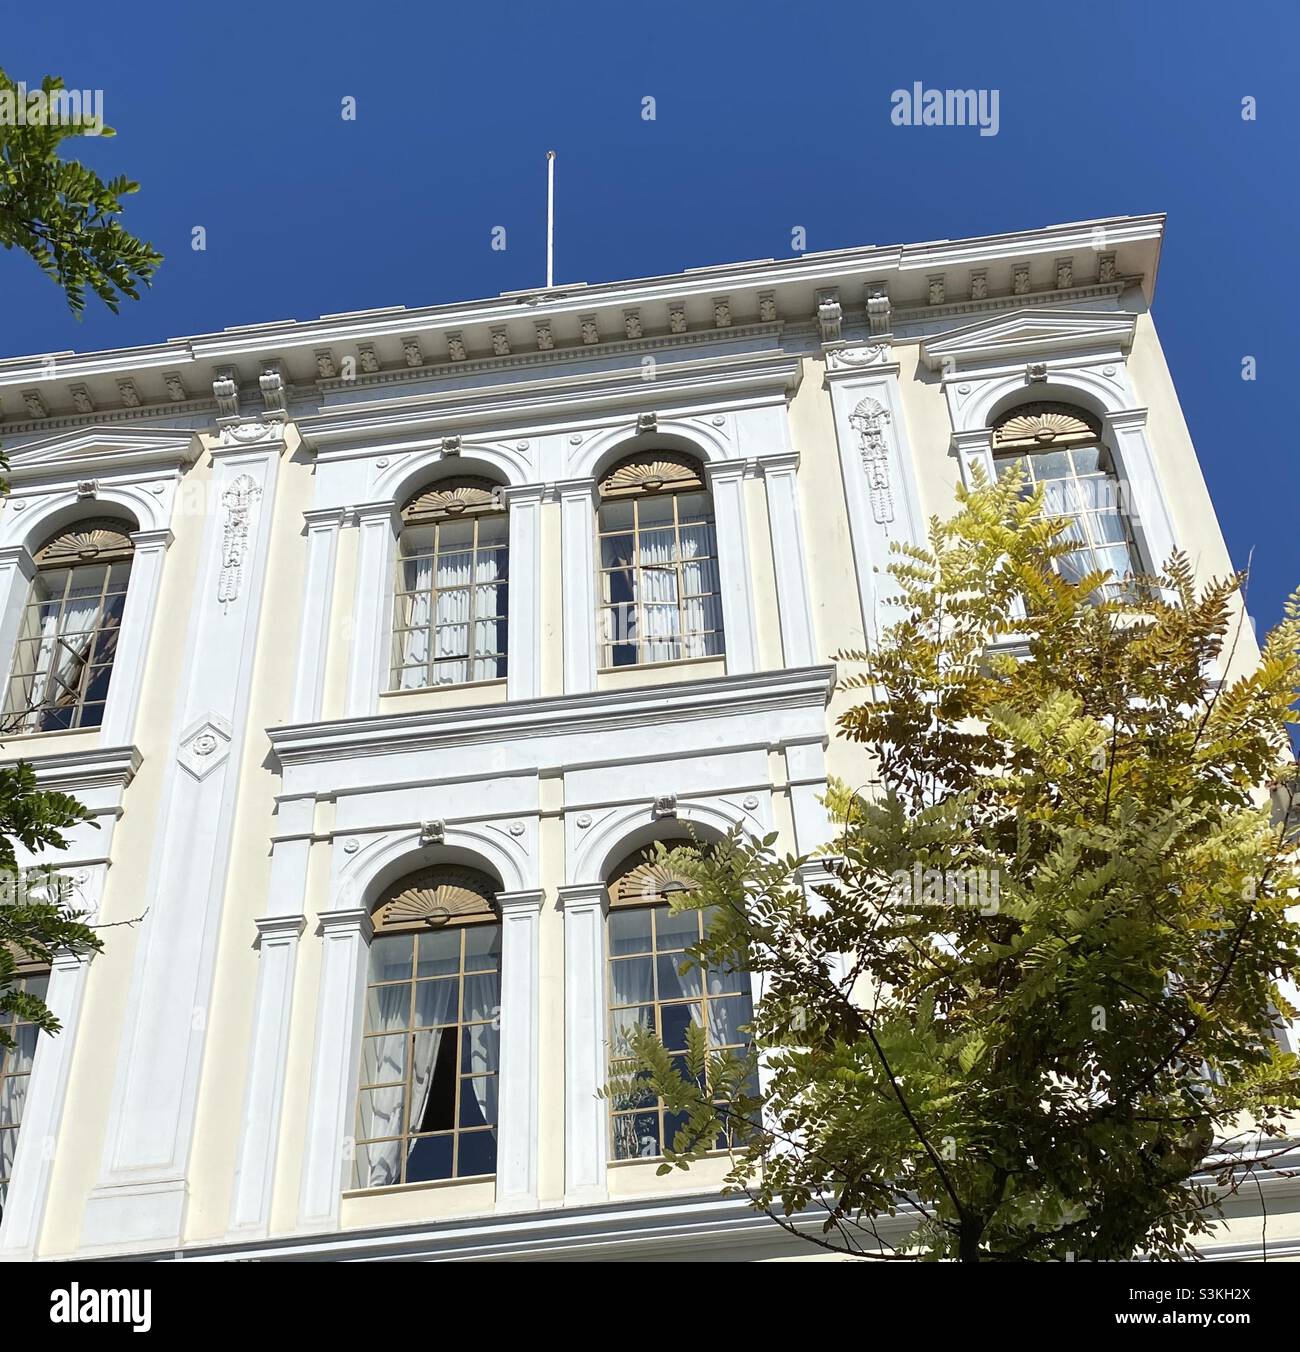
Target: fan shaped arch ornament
[[1038, 426], [652, 472], [452, 497], [86, 542], [638, 881], [435, 897]]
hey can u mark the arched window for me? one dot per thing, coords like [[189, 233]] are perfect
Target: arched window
[[647, 947], [427, 1105], [1060, 447], [450, 596], [68, 636], [659, 596], [15, 1070]]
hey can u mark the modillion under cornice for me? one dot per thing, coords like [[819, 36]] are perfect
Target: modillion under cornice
[[900, 290]]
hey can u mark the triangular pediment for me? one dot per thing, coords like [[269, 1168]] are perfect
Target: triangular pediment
[[102, 447], [1030, 333]]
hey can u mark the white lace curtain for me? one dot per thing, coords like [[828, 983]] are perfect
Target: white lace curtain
[[455, 591]]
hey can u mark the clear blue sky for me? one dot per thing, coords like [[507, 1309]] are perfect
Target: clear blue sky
[[769, 115]]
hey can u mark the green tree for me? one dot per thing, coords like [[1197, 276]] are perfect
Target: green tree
[[62, 213], [1035, 1007], [65, 216]]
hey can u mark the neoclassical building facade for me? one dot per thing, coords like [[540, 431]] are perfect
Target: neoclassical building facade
[[380, 646]]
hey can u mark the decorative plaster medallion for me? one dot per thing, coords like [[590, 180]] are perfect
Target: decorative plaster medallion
[[247, 433], [584, 820], [868, 421], [157, 489], [382, 462], [239, 500], [205, 746], [749, 802], [20, 506], [963, 389], [521, 445], [719, 421], [841, 357], [1108, 370], [516, 828], [575, 440], [351, 845]]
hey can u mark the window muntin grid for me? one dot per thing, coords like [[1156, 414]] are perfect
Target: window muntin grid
[[15, 1073], [646, 947], [658, 586], [450, 602], [1079, 484], [427, 1098], [67, 640]]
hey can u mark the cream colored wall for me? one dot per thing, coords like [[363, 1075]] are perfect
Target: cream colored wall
[[80, 1144]]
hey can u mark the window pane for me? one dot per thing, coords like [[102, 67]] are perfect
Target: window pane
[[482, 996], [725, 1019], [629, 930], [390, 958], [436, 1002], [631, 981], [483, 948], [673, 984], [616, 551], [676, 929], [1051, 464], [480, 1048], [615, 516], [439, 953], [380, 1112], [388, 1007], [675, 1020], [478, 1154], [623, 1021], [478, 1101], [429, 1160], [654, 511], [383, 1059], [636, 1135]]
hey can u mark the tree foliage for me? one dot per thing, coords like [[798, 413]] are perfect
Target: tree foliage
[[1084, 1066], [63, 214]]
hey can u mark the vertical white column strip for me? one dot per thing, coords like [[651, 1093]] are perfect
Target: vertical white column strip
[[141, 1194], [586, 1126], [524, 574], [317, 602], [378, 524], [47, 1090], [17, 568], [727, 487], [798, 639], [517, 1131], [578, 578], [133, 639], [344, 935], [277, 943], [1141, 500]]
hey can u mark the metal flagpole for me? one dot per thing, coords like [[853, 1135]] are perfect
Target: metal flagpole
[[550, 219]]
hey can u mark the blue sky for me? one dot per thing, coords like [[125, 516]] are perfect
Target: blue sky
[[768, 116]]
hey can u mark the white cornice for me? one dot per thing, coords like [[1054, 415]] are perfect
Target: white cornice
[[788, 285], [76, 771], [103, 447], [1031, 332], [718, 381], [580, 714]]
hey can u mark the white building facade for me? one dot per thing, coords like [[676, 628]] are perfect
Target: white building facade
[[380, 645]]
